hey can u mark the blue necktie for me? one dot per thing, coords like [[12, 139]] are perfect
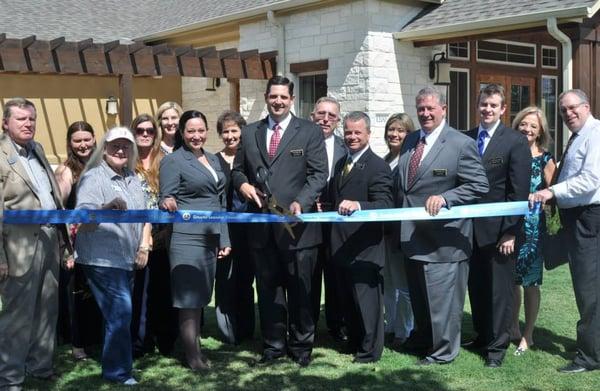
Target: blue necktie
[[481, 141]]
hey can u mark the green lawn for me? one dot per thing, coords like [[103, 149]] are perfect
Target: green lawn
[[536, 370]]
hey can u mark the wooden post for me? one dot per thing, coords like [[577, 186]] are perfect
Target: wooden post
[[234, 94], [125, 99]]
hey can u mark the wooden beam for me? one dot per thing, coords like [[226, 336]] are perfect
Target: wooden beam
[[120, 63], [309, 66], [143, 62], [95, 59], [211, 63], [269, 64], [232, 64], [12, 56], [68, 58], [40, 57], [188, 62], [125, 99], [165, 61]]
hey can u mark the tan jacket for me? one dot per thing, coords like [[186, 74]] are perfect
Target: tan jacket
[[18, 192]]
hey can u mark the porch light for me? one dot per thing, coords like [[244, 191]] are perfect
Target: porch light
[[213, 83], [439, 69], [112, 106]]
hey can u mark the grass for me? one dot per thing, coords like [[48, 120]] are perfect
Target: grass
[[331, 370]]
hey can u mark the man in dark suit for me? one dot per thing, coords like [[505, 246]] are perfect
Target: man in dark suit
[[507, 161], [326, 114], [438, 167], [29, 256], [361, 181], [288, 153]]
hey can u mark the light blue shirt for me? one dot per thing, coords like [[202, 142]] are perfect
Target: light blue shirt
[[579, 180], [110, 244], [490, 133]]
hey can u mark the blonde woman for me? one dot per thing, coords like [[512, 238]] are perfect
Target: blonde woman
[[532, 122], [167, 118]]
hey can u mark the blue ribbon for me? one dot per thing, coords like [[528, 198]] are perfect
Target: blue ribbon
[[198, 216]]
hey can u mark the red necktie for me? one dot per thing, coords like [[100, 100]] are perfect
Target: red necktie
[[274, 143], [415, 160]]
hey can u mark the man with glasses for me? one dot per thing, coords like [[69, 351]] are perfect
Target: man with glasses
[[326, 114], [29, 257], [576, 189]]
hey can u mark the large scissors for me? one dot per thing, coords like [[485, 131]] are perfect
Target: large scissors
[[262, 178]]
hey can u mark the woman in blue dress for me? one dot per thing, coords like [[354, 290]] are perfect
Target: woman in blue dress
[[532, 122]]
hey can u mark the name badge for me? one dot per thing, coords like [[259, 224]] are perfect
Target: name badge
[[495, 161], [297, 152], [440, 172]]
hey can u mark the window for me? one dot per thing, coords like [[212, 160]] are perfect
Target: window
[[311, 88], [458, 51], [519, 99], [549, 57], [458, 99], [504, 52], [548, 103]]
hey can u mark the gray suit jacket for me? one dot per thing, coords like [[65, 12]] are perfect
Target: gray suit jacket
[[452, 169], [193, 186], [298, 173], [18, 192]]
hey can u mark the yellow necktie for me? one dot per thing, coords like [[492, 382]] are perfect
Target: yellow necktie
[[348, 167]]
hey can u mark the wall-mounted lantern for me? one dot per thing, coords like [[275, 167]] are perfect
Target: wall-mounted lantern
[[112, 106], [439, 69]]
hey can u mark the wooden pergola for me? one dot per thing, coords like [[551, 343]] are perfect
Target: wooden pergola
[[58, 56]]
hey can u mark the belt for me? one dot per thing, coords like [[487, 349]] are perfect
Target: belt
[[48, 225]]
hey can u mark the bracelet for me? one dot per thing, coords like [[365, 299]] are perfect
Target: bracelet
[[145, 249]]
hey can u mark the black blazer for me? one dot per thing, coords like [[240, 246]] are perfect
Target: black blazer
[[298, 173], [507, 164], [370, 183], [193, 186]]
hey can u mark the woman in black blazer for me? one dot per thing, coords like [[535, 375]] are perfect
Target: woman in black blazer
[[192, 179]]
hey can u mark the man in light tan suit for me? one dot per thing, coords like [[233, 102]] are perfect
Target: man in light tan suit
[[29, 256]]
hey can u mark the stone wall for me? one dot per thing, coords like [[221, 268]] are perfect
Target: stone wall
[[368, 69]]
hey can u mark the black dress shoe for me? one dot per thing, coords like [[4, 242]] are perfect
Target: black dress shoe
[[426, 361], [573, 368], [492, 363], [472, 344], [265, 360], [339, 335], [302, 361]]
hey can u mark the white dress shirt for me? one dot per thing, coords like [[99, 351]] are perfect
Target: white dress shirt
[[431, 138], [490, 132], [579, 180], [329, 144], [282, 127]]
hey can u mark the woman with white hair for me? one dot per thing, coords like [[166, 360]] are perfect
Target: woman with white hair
[[109, 252]]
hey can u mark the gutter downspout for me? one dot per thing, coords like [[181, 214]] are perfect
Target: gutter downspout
[[567, 60], [281, 63]]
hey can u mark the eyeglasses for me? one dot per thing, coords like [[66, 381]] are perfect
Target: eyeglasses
[[324, 114], [565, 109], [116, 147], [140, 131]]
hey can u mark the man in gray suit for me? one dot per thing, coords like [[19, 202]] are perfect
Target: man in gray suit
[[289, 154], [29, 257], [438, 167]]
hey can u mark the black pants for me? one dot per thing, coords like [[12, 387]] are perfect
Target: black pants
[[79, 318], [234, 294], [154, 319], [284, 284], [362, 284], [582, 225], [325, 274], [491, 292]]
